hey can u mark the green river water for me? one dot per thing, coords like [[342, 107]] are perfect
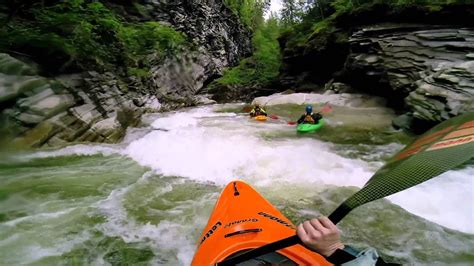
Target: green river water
[[146, 200]]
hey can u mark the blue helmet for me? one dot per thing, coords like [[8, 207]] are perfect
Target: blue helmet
[[309, 109]]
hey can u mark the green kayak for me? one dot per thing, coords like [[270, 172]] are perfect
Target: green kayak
[[303, 128]]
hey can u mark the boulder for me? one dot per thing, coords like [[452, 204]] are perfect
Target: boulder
[[52, 105], [12, 66], [404, 121]]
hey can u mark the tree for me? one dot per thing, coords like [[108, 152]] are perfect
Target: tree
[[250, 12], [294, 10]]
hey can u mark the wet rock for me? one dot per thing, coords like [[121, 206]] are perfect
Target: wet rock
[[109, 129], [338, 87], [424, 69], [86, 113], [203, 100], [12, 87], [29, 119], [12, 66], [152, 104], [138, 102], [404, 121], [444, 94], [52, 105], [37, 136], [25, 103]]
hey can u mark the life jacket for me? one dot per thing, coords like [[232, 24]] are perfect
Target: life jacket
[[258, 111]]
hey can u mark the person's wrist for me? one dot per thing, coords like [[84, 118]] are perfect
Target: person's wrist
[[342, 255], [333, 249]]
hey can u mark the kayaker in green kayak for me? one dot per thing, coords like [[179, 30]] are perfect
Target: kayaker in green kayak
[[257, 110], [309, 117], [322, 235]]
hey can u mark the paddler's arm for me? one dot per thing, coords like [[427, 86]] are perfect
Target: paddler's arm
[[317, 117], [301, 119], [322, 235]]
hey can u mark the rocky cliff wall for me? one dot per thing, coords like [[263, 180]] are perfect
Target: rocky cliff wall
[[419, 58], [220, 41], [94, 106], [424, 69]]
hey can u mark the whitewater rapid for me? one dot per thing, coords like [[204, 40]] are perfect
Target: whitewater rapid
[[205, 145], [153, 193], [218, 147]]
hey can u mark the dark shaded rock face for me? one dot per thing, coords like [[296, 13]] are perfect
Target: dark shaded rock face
[[219, 39], [314, 62], [209, 24], [37, 111], [234, 93], [425, 69]]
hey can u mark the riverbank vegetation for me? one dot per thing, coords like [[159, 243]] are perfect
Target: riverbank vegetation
[[79, 35], [305, 26]]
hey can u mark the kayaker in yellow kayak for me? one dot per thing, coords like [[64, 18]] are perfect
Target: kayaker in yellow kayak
[[257, 110], [322, 235], [309, 117]]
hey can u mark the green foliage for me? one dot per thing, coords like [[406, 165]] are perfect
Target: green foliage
[[318, 23], [86, 34], [138, 72], [294, 10], [250, 12], [141, 39], [263, 66], [304, 27], [342, 6]]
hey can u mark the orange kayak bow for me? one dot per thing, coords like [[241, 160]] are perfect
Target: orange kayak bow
[[241, 220]]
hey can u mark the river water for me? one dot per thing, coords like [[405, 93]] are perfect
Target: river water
[[147, 199]]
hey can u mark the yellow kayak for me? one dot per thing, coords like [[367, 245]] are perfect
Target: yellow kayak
[[260, 118]]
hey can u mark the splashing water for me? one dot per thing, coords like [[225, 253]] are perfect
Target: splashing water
[[148, 198]]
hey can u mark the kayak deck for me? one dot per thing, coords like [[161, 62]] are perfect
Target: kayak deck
[[308, 128], [241, 220], [260, 118]]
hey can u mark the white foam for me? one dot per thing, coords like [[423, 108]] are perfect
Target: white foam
[[172, 237], [37, 217], [447, 200], [79, 149], [64, 246], [187, 119], [222, 149], [220, 152], [202, 145], [40, 248]]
